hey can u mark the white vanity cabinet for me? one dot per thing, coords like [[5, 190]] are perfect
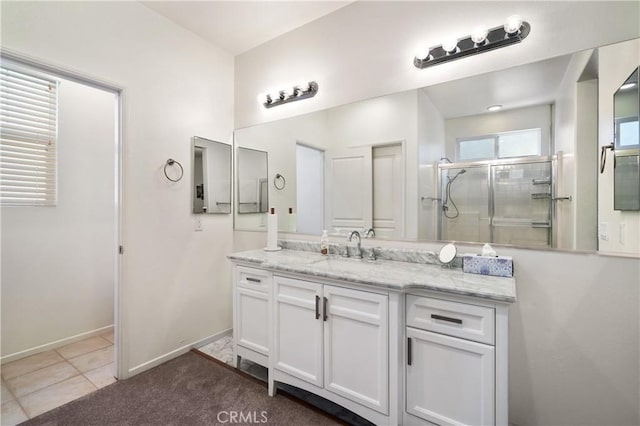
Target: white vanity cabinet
[[251, 314], [334, 338], [451, 362]]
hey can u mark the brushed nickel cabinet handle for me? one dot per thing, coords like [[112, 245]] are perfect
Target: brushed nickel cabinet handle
[[254, 280], [448, 319], [324, 309], [317, 307]]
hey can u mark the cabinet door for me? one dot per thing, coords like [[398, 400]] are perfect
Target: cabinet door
[[252, 320], [298, 328], [356, 361], [450, 381]]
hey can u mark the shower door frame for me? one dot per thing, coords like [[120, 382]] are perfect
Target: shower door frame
[[553, 159]]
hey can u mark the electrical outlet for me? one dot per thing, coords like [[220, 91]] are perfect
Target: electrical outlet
[[623, 231], [603, 234], [197, 224]]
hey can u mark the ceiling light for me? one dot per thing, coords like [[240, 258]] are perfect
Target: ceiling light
[[481, 40], [494, 108], [628, 86]]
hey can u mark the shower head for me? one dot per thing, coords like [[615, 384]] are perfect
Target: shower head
[[451, 179]]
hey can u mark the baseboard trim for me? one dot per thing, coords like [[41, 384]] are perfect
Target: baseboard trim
[[53, 345], [177, 352]]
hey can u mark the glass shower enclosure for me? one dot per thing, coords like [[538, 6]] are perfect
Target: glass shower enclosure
[[500, 201]]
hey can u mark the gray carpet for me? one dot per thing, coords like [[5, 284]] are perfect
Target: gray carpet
[[189, 390]]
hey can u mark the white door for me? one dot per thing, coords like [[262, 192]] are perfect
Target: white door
[[450, 381], [349, 177], [388, 191], [298, 329], [252, 325], [356, 362], [309, 190]]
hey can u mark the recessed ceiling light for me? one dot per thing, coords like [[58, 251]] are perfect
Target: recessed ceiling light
[[627, 86], [494, 108]]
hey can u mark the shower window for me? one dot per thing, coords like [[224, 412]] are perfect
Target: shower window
[[28, 111], [521, 143]]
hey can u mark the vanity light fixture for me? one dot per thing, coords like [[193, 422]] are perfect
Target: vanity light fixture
[[494, 108], [628, 86], [295, 93], [513, 31]]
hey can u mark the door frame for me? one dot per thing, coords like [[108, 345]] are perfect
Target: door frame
[[121, 372]]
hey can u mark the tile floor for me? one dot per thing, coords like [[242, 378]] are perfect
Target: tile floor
[[42, 382]]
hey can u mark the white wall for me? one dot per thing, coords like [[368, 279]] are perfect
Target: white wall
[[499, 122], [574, 330], [617, 62], [58, 263], [176, 283], [366, 49]]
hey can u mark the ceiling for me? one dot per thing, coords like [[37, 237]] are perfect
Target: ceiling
[[526, 85], [238, 26]]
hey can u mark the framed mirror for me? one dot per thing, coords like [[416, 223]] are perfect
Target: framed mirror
[[626, 107], [252, 181], [211, 176]]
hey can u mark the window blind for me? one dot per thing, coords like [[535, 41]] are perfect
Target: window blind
[[28, 133]]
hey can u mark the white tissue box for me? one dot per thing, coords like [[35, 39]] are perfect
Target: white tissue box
[[499, 266]]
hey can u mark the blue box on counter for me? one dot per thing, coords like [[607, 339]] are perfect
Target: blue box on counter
[[499, 266]]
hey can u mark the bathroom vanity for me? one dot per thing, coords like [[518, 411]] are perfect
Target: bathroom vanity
[[397, 342]]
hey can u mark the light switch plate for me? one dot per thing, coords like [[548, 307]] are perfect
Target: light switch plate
[[197, 224], [623, 231], [603, 233]]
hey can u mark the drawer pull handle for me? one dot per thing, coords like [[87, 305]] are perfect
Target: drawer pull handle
[[317, 307], [409, 350], [324, 309], [448, 319], [254, 280]]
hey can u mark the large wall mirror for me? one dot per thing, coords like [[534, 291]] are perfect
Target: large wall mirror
[[211, 188], [508, 157]]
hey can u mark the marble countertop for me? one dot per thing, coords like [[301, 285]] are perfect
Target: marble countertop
[[386, 274]]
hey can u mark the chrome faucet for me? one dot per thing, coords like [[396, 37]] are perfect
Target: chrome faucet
[[359, 251], [369, 232]]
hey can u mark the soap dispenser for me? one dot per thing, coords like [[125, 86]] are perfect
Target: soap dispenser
[[324, 243]]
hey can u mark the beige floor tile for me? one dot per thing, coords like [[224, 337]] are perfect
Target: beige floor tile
[[12, 414], [55, 395], [102, 376], [108, 336], [93, 360], [83, 347], [6, 394], [30, 363], [42, 378]]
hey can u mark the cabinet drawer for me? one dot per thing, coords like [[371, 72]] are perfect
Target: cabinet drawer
[[452, 318], [255, 279]]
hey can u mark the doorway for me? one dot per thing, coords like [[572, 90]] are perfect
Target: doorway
[[61, 262], [309, 190]]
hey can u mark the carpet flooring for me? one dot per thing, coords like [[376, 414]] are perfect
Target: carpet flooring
[[188, 390]]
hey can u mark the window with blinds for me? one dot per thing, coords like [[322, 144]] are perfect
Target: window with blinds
[[28, 132]]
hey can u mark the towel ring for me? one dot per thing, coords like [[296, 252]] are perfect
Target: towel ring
[[171, 162], [279, 182]]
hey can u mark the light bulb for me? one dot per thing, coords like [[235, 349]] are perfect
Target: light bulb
[[494, 108], [479, 35], [302, 87], [450, 45], [422, 53], [514, 22], [275, 96], [289, 92]]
